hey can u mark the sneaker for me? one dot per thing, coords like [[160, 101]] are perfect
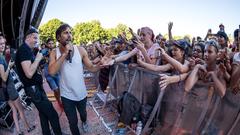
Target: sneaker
[[85, 127]]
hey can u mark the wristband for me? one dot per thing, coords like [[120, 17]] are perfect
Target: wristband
[[114, 60], [37, 60]]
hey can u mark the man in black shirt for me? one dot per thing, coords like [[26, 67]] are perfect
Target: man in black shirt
[[27, 65]]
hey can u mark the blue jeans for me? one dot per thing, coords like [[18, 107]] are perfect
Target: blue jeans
[[53, 82], [70, 107]]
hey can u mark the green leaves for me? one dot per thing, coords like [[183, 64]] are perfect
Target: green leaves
[[88, 32], [84, 32], [48, 30]]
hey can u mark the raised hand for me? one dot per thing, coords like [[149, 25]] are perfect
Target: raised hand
[[134, 35], [170, 25], [192, 62], [202, 72], [193, 40], [139, 45], [209, 32], [106, 59], [222, 68], [67, 47], [97, 60], [164, 81], [139, 59], [123, 36], [39, 56], [227, 61], [199, 61], [163, 52], [10, 64]]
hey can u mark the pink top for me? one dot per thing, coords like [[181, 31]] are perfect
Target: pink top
[[150, 51]]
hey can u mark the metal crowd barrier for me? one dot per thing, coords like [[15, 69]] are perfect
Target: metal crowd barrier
[[197, 112]]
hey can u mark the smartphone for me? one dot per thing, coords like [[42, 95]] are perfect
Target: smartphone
[[158, 53], [44, 52], [13, 54]]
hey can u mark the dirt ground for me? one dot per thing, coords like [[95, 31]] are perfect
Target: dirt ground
[[95, 125]]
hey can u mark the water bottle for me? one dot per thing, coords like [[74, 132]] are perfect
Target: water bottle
[[139, 128], [134, 123]]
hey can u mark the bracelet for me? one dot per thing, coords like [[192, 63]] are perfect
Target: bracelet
[[37, 60], [114, 61]]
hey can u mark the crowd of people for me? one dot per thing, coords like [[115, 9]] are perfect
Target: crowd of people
[[196, 66], [202, 63]]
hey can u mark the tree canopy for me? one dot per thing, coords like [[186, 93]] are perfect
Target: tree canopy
[[84, 32], [87, 32], [48, 29]]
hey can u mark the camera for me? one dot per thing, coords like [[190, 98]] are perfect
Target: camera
[[44, 52]]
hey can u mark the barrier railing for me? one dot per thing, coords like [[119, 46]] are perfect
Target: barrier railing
[[196, 112]]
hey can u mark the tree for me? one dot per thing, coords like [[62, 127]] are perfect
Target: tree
[[84, 32], [230, 38], [87, 32], [48, 30], [114, 32], [177, 37], [166, 36]]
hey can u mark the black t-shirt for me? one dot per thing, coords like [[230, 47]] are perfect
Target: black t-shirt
[[25, 53]]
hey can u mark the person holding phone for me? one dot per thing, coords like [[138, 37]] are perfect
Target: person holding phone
[[12, 94], [144, 46]]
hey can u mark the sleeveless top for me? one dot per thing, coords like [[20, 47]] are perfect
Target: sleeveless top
[[71, 81], [236, 57]]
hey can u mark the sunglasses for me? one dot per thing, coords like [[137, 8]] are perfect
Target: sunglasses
[[212, 43]]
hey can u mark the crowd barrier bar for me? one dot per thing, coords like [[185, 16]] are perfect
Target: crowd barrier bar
[[143, 74]]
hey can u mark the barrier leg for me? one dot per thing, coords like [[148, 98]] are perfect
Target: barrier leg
[[133, 79], [234, 124], [211, 116], [111, 86], [154, 111], [204, 112]]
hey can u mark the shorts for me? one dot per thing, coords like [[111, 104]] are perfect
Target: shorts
[[13, 94], [12, 91], [53, 82]]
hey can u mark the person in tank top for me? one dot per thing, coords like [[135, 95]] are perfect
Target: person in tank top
[[68, 61]]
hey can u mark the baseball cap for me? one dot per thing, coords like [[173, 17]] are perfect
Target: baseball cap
[[222, 34], [181, 43], [31, 30]]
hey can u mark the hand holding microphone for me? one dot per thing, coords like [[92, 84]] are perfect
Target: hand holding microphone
[[68, 48]]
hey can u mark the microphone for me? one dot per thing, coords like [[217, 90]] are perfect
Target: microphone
[[69, 56]]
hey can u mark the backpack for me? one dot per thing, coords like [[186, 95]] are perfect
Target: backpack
[[128, 107]]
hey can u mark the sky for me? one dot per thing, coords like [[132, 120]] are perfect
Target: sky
[[193, 17]]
